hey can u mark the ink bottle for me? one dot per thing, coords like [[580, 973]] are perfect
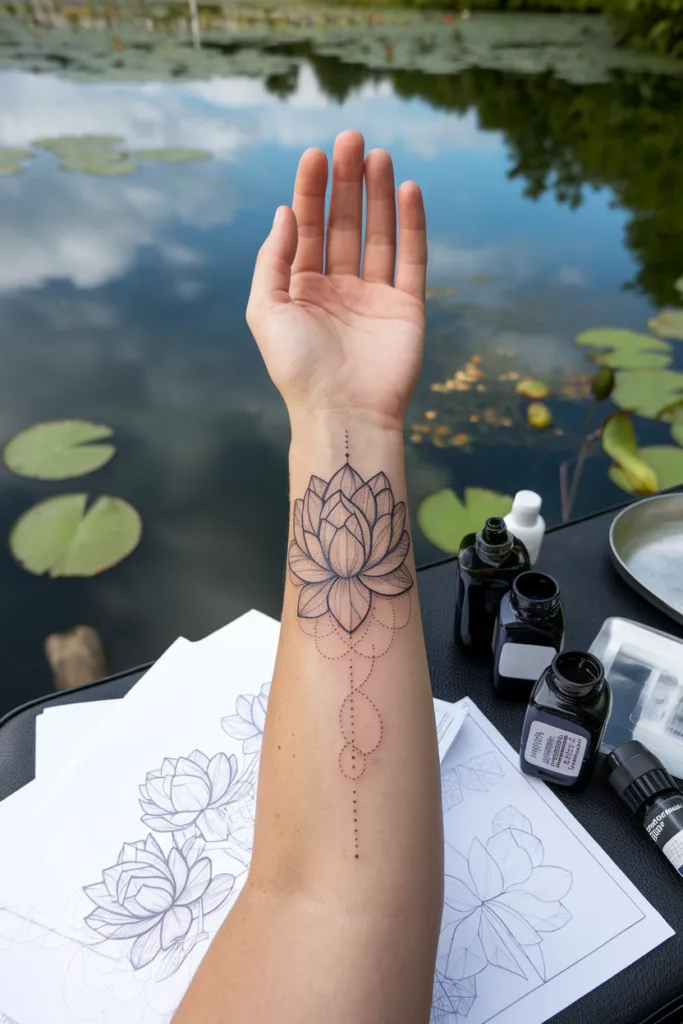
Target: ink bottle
[[487, 564], [565, 720], [529, 633], [647, 789]]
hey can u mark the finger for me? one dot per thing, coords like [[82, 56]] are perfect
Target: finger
[[411, 270], [309, 209], [379, 254], [273, 270], [346, 205]]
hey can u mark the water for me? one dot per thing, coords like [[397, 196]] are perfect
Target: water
[[122, 301]]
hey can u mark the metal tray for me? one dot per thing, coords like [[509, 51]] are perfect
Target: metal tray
[[646, 544]]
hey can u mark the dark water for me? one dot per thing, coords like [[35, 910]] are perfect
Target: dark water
[[551, 209]]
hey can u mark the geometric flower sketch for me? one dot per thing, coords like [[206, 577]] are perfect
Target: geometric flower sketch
[[499, 903], [348, 557], [247, 724], [479, 774], [191, 790], [157, 903], [152, 903]]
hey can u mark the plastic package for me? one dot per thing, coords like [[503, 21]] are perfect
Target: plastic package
[[644, 668]]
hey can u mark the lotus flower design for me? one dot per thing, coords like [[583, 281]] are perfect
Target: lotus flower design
[[192, 790], [350, 544], [250, 718], [158, 901]]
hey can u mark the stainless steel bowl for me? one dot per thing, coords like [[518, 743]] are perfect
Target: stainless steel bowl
[[646, 543]]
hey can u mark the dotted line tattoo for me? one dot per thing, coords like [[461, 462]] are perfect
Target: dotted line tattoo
[[348, 559]]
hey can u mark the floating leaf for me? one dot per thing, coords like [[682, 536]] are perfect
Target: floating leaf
[[445, 519], [673, 414], [12, 160], [665, 460], [65, 145], [647, 393], [530, 388], [602, 383], [59, 537], [668, 324], [173, 155], [622, 349], [101, 162], [58, 450], [619, 441], [539, 416]]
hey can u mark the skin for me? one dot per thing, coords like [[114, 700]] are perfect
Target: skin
[[318, 932]]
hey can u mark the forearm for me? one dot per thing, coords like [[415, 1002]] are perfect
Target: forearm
[[346, 875]]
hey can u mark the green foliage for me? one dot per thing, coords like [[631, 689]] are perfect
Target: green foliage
[[625, 350], [445, 519], [58, 450], [656, 24], [666, 461], [619, 442]]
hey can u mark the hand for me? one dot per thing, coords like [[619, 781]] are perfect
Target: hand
[[334, 341]]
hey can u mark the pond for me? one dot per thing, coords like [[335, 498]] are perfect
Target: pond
[[551, 208]]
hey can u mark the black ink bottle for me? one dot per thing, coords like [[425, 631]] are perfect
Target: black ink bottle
[[647, 789], [487, 564], [565, 720], [529, 633]]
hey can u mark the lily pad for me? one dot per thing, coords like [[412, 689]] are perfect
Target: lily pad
[[58, 450], [668, 324], [445, 519], [104, 162], [60, 537], [173, 155], [665, 460], [64, 145], [673, 414], [619, 441], [625, 350], [528, 387], [12, 160], [538, 416], [647, 393]]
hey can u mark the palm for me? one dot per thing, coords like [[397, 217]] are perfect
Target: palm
[[335, 339]]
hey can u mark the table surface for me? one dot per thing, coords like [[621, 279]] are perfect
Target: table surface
[[651, 990]]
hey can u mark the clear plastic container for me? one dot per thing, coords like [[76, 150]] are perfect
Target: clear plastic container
[[644, 668]]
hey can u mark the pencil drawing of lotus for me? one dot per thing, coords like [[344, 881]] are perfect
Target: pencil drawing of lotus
[[191, 791], [158, 901], [350, 545]]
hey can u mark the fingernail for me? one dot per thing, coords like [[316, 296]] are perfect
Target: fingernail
[[276, 218]]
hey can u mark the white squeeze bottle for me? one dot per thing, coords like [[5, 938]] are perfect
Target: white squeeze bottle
[[526, 522]]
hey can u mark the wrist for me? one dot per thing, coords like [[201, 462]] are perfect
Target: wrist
[[333, 427]]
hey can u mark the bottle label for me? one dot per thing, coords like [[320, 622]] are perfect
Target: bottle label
[[524, 661], [557, 750], [664, 824]]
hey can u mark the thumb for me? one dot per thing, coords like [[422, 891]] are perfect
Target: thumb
[[273, 270]]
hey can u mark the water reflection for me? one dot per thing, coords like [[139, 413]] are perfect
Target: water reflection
[[121, 301]]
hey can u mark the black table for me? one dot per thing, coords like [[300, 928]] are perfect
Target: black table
[[651, 990]]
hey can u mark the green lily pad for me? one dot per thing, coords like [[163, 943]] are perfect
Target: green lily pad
[[619, 441], [673, 414], [664, 459], [12, 160], [647, 393], [445, 519], [668, 324], [59, 537], [528, 387], [538, 416], [103, 162], [58, 450], [64, 145], [625, 350], [173, 155]]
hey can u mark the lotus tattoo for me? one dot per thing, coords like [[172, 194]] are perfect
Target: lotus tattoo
[[350, 544]]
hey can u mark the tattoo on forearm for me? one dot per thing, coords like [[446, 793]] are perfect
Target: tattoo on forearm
[[348, 557]]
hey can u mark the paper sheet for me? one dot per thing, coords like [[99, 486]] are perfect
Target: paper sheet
[[535, 914]]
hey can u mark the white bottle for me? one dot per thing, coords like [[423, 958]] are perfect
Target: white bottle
[[526, 522]]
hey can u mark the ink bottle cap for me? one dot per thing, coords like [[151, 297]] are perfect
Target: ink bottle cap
[[494, 542], [640, 779], [565, 720], [526, 522]]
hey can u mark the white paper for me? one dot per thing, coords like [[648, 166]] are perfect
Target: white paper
[[536, 914], [57, 728]]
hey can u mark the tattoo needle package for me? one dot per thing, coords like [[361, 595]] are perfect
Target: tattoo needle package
[[644, 668]]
